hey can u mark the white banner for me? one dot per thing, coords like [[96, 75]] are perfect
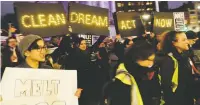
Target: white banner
[[179, 21], [24, 86]]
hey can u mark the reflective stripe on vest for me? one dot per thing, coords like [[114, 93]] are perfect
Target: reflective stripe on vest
[[128, 79], [175, 75]]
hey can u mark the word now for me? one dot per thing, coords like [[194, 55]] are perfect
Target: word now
[[42, 20], [36, 87], [163, 23], [88, 19], [128, 24]]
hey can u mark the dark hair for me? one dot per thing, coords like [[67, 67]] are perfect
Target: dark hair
[[126, 42], [79, 40], [191, 35], [198, 34], [65, 44], [34, 45], [141, 50], [12, 37], [167, 45]]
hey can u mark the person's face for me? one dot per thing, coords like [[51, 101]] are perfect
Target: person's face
[[147, 63], [83, 45], [102, 45], [192, 41], [55, 40], [12, 43], [181, 43], [37, 54]]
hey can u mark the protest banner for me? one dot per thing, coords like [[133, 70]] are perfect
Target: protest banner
[[163, 21], [25, 86], [129, 24], [85, 19], [41, 19], [179, 21]]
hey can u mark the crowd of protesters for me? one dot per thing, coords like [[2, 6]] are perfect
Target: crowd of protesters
[[151, 69]]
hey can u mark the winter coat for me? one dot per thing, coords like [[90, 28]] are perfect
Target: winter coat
[[184, 92], [149, 89], [6, 58]]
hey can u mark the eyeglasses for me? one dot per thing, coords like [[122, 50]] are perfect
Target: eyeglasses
[[40, 49]]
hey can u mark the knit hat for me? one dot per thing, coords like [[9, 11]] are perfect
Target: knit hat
[[26, 42]]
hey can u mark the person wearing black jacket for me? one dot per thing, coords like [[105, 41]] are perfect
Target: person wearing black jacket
[[81, 63], [178, 92], [10, 54], [138, 62]]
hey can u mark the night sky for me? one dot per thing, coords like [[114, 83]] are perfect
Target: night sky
[[7, 6]]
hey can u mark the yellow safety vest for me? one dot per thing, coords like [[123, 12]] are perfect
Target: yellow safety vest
[[175, 75], [136, 98]]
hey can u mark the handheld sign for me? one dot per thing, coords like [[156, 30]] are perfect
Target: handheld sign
[[24, 86], [41, 19], [87, 19], [129, 24], [179, 21], [163, 21]]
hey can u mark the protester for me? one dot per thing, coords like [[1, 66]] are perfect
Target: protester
[[63, 51], [136, 82], [55, 41], [176, 71], [119, 48], [101, 66], [192, 37], [10, 54], [127, 44], [81, 63], [33, 50]]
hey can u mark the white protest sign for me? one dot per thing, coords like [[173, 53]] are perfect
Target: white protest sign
[[179, 21], [24, 86]]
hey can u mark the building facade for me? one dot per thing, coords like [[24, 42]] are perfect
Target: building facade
[[194, 17], [135, 6]]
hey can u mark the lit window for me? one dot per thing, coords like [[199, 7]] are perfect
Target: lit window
[[133, 10], [139, 9], [120, 11], [129, 3], [129, 10], [133, 4], [142, 9], [148, 9], [122, 4], [119, 4], [147, 3], [150, 2]]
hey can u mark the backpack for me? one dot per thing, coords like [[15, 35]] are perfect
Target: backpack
[[105, 97]]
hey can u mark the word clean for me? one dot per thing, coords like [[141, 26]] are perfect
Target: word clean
[[42, 20]]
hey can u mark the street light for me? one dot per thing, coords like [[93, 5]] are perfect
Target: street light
[[198, 7], [146, 16]]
